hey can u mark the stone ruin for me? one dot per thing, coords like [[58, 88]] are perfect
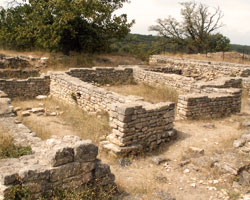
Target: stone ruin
[[207, 90], [57, 163]]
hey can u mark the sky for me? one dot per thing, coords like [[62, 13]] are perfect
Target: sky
[[146, 12], [236, 16]]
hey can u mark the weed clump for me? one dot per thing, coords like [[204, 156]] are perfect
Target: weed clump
[[9, 150]]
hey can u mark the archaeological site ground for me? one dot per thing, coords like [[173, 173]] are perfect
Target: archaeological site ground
[[175, 128]]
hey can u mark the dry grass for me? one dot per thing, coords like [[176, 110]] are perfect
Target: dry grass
[[61, 62], [232, 57], [71, 121], [150, 93], [9, 150]]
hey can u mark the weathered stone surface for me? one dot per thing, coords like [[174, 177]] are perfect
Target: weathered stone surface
[[26, 88], [37, 110], [239, 143], [60, 162], [136, 125], [196, 150], [25, 113]]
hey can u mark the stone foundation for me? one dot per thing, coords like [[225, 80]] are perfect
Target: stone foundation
[[207, 99], [26, 88], [18, 73], [175, 81], [57, 163], [103, 75], [201, 69], [136, 125], [213, 105]]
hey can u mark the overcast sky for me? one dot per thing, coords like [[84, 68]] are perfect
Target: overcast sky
[[236, 16]]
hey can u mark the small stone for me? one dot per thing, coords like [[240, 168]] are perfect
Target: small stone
[[17, 122], [159, 160], [16, 109], [183, 163], [25, 113], [41, 97], [193, 185], [239, 143], [209, 126], [186, 171], [212, 188], [196, 150], [37, 110], [53, 114]]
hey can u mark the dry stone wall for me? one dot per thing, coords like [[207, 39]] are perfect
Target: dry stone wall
[[201, 69], [166, 70], [136, 125], [102, 75], [18, 73], [198, 106], [212, 99], [57, 163], [175, 81], [26, 88]]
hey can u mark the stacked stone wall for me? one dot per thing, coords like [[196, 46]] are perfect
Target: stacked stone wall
[[18, 73], [175, 81], [102, 75], [201, 69], [136, 125], [57, 163], [212, 105], [212, 99], [166, 70], [26, 88]]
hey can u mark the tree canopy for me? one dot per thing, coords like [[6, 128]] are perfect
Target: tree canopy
[[63, 25], [196, 32]]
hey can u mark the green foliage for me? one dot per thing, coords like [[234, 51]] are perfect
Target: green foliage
[[73, 96], [9, 150], [240, 48], [19, 192], [138, 45], [63, 25]]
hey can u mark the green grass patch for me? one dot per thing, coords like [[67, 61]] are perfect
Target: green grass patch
[[9, 150]]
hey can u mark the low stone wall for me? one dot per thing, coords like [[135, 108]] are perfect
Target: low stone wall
[[57, 163], [175, 81], [213, 105], [18, 73], [103, 75], [166, 70], [246, 84], [26, 88], [209, 86], [201, 69], [136, 125], [13, 62]]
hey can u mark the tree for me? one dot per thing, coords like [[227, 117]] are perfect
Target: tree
[[63, 25], [194, 32]]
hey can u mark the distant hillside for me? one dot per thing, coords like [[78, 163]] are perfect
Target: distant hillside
[[148, 40], [240, 48]]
